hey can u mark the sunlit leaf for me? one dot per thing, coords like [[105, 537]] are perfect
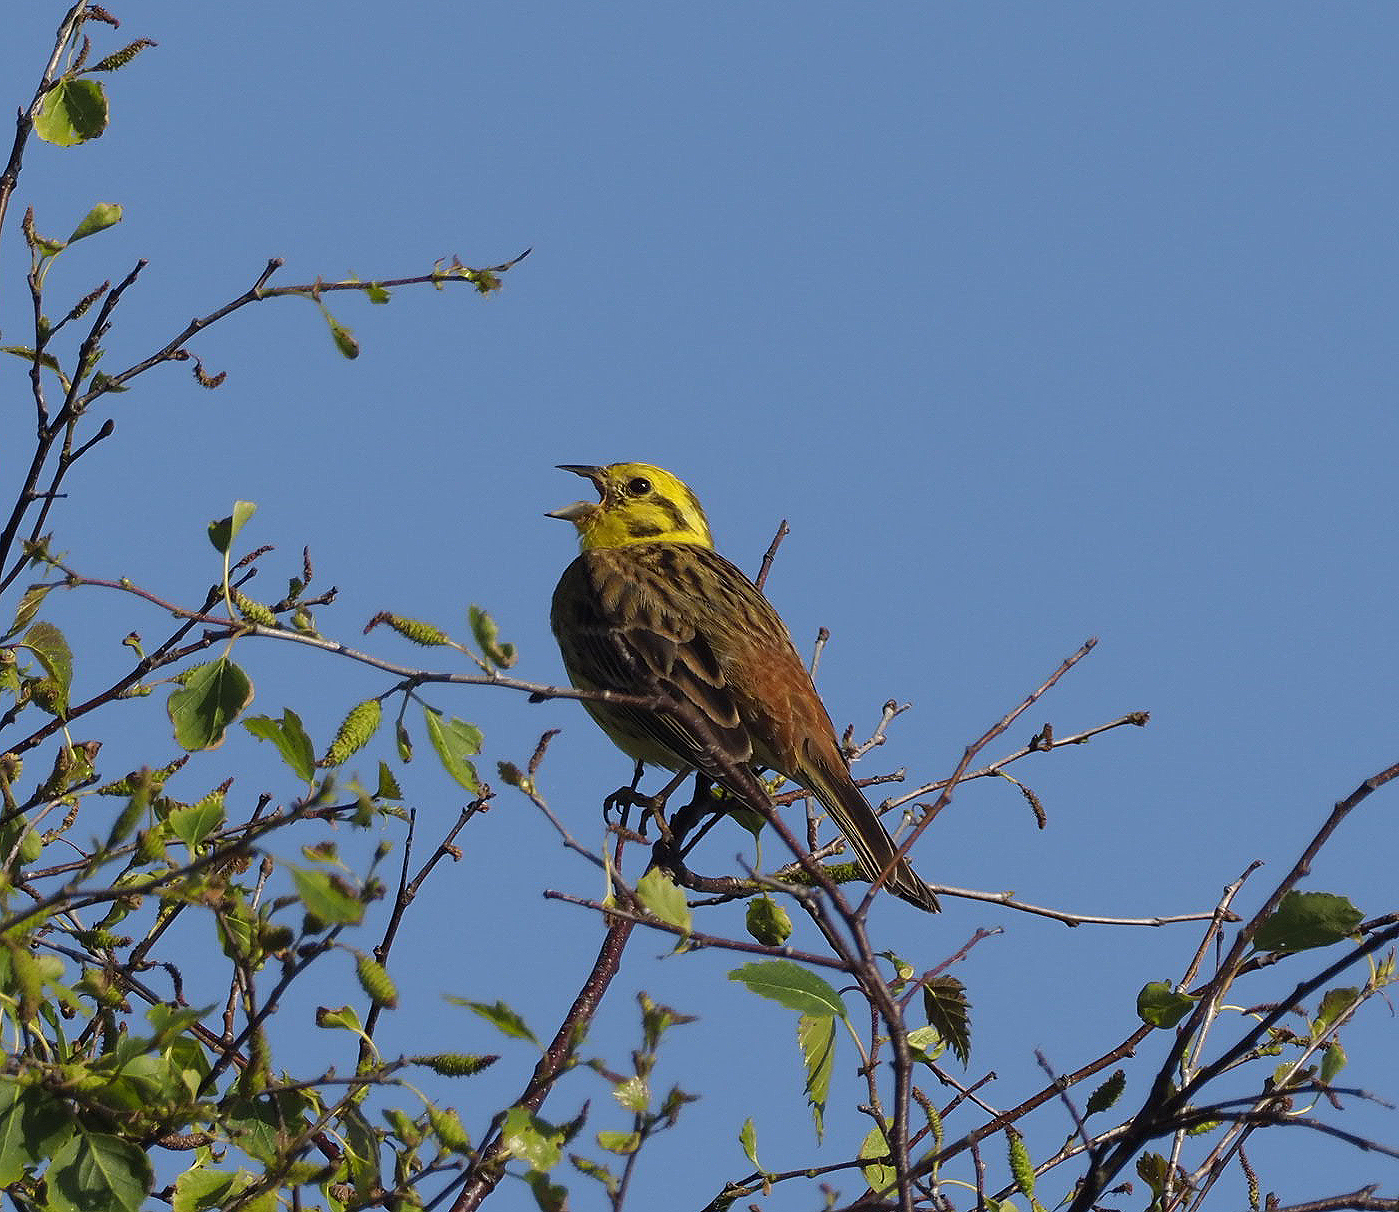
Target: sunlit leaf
[[73, 111], [793, 986], [211, 698], [1307, 919], [1159, 1005]]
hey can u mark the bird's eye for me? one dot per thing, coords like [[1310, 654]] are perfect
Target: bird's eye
[[638, 486]]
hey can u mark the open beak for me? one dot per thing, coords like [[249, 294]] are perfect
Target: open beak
[[579, 509]]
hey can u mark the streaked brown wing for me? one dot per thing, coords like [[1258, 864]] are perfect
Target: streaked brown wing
[[622, 623]]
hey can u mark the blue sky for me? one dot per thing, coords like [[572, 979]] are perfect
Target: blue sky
[[1035, 323]]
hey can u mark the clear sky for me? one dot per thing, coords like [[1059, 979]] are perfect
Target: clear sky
[[1035, 322]]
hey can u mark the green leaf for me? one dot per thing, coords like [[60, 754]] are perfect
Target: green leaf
[[483, 627], [659, 893], [388, 788], [95, 1172], [455, 741], [361, 1151], [33, 1125], [633, 1094], [209, 700], [343, 1018], [99, 218], [48, 645], [1333, 1060], [619, 1142], [323, 896], [548, 1196], [192, 823], [1159, 1005], [201, 1189], [531, 1139], [926, 1044], [376, 293], [44, 359], [501, 1017], [880, 1175], [28, 607], [816, 1036], [223, 531], [72, 112], [1334, 1004], [1107, 1094], [768, 922], [291, 741], [344, 339], [748, 1138], [1307, 919], [945, 1004], [793, 986], [596, 1171]]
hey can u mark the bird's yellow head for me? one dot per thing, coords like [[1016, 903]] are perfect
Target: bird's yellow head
[[638, 503]]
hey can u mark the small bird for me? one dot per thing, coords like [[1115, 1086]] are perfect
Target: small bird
[[648, 598]]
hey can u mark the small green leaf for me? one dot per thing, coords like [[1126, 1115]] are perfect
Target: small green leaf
[[529, 1138], [344, 1018], [33, 1125], [659, 893], [388, 788], [816, 1036], [211, 698], [880, 1175], [483, 627], [633, 1094], [51, 649], [376, 293], [1333, 1060], [202, 1189], [500, 1016], [46, 360], [596, 1171], [344, 339], [99, 218], [750, 820], [1334, 1004], [223, 531], [28, 607], [925, 1044], [1159, 1005], [1308, 919], [97, 1171], [748, 1138], [73, 111], [621, 1143], [945, 1004], [290, 738], [790, 984], [768, 922], [325, 897], [455, 741], [192, 823]]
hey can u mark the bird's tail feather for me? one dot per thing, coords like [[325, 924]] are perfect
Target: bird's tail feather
[[865, 832]]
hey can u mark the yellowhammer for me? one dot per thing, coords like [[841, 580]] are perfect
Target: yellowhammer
[[650, 598]]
